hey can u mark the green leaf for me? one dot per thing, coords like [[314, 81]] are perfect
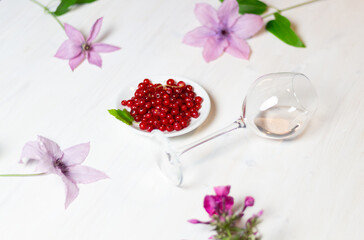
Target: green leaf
[[122, 115], [65, 5], [127, 115], [281, 28], [85, 1], [251, 6]]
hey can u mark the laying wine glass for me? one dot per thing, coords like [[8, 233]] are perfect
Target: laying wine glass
[[277, 106]]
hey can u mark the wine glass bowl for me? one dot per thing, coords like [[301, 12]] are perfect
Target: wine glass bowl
[[279, 105]]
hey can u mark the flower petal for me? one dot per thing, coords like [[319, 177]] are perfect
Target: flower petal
[[214, 48], [102, 47], [229, 203], [207, 15], [198, 37], [209, 204], [95, 30], [76, 154], [94, 58], [84, 174], [247, 25], [238, 47], [76, 61], [228, 12], [74, 34], [249, 202], [222, 190], [31, 150], [195, 221], [71, 191], [69, 49], [52, 148]]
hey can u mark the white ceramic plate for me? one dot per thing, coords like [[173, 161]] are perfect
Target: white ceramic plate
[[129, 91]]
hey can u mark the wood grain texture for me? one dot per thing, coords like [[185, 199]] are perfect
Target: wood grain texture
[[310, 188]]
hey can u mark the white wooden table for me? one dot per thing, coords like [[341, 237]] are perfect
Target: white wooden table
[[310, 188]]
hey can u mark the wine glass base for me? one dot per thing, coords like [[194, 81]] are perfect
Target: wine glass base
[[170, 166], [168, 161]]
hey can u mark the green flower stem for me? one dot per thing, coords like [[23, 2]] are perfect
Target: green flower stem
[[22, 175], [46, 9], [291, 7]]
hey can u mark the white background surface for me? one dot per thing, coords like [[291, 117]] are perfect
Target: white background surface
[[310, 188]]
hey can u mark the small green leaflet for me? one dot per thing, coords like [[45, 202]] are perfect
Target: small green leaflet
[[65, 5], [281, 28], [251, 6], [122, 115]]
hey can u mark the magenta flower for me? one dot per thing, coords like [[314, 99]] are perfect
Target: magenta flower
[[249, 201], [220, 203], [223, 30], [76, 48], [66, 164]]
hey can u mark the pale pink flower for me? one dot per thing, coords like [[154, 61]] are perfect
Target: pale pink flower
[[66, 164], [223, 30], [76, 48]]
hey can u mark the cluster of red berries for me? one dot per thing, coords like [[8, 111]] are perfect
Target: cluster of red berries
[[164, 107]]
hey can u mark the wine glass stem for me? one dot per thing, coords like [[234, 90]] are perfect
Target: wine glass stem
[[235, 125]]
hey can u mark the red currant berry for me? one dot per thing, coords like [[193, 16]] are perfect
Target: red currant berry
[[198, 99], [150, 128], [195, 114], [174, 111], [163, 115], [158, 101], [142, 111], [146, 81], [137, 118], [189, 104], [123, 103], [133, 112], [170, 82], [164, 109], [143, 126], [166, 102], [177, 126], [189, 88], [181, 84], [178, 90], [169, 128], [148, 105], [183, 108], [184, 123]]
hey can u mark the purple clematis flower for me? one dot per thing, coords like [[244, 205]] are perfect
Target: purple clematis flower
[[223, 30], [66, 164], [220, 203], [76, 48]]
